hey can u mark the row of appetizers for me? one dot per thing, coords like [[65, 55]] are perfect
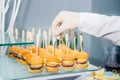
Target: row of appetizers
[[50, 58]]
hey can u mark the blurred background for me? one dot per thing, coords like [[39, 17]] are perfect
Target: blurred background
[[40, 13]]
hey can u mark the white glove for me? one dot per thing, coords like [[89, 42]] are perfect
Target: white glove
[[65, 21]]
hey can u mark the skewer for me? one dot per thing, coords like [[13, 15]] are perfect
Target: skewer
[[44, 39], [69, 34], [68, 47], [37, 44], [39, 31], [29, 34], [75, 37], [45, 36], [49, 34], [81, 41], [33, 33], [23, 36], [54, 39], [60, 41], [39, 34], [67, 42], [16, 33]]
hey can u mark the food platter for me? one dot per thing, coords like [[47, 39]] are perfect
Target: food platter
[[46, 61], [11, 69]]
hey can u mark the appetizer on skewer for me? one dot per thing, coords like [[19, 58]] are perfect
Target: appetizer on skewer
[[16, 52], [82, 57], [82, 60], [67, 62], [26, 54], [52, 64], [12, 51], [35, 63]]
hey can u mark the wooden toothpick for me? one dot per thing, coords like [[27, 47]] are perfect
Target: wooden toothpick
[[39, 31], [16, 32], [60, 41], [32, 34], [66, 36], [39, 34], [33, 31], [27, 34], [45, 36], [54, 40], [69, 34], [75, 37], [81, 42], [28, 38], [23, 35], [44, 39], [37, 43], [11, 35], [49, 34]]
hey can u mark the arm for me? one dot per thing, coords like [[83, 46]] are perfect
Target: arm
[[101, 26], [91, 23]]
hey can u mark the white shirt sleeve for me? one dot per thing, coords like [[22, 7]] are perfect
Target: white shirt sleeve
[[101, 26]]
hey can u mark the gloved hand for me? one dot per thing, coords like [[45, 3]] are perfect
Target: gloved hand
[[65, 21]]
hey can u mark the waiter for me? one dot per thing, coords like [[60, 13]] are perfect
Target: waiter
[[95, 24]]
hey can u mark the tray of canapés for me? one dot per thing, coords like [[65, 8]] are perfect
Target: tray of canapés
[[44, 58], [49, 59]]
